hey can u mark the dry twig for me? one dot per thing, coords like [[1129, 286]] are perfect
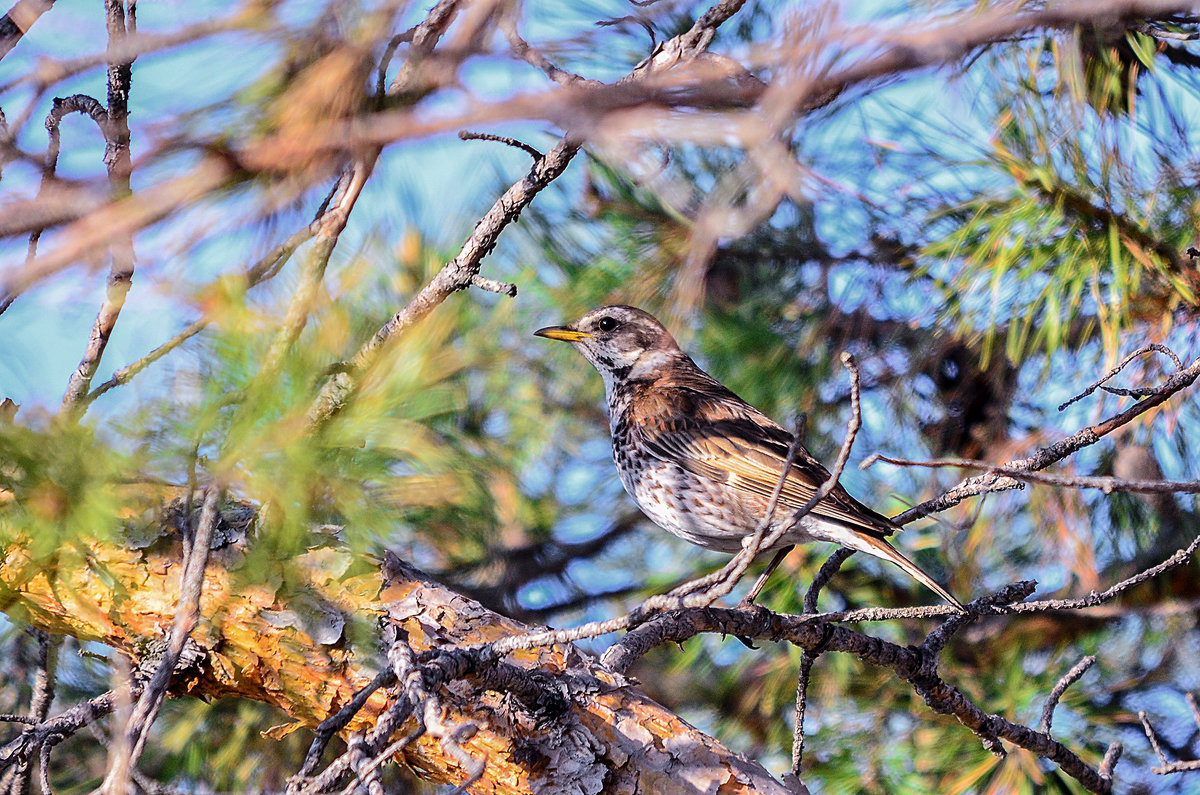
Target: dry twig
[[1044, 457], [1166, 767], [124, 761]]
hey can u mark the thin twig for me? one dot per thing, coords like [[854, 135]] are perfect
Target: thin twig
[[493, 286], [806, 665], [1045, 456], [807, 658], [39, 706], [304, 299], [187, 615], [1178, 766], [367, 775], [1111, 756], [388, 53], [522, 50], [1152, 737], [339, 720], [385, 755], [823, 576], [1104, 483], [62, 107], [119, 165], [264, 269], [468, 135], [44, 735], [1069, 678], [1152, 347]]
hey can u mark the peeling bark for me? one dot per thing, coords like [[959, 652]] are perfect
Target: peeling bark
[[290, 646]]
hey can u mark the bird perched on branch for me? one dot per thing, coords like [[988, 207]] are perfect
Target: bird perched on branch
[[700, 461]]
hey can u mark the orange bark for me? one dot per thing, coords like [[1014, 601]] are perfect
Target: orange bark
[[280, 636]]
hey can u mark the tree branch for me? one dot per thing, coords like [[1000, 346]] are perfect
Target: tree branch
[[118, 163], [917, 666], [1044, 457], [187, 615], [256, 643], [19, 19]]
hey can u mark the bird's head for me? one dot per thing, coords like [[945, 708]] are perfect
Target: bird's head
[[621, 342]]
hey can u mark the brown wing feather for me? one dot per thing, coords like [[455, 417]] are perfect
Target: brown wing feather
[[727, 440]]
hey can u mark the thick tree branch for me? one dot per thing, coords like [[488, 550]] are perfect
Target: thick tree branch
[[258, 642]]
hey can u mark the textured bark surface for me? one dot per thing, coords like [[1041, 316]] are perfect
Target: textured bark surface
[[282, 636]]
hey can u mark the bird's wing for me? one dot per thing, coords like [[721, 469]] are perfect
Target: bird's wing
[[749, 455]]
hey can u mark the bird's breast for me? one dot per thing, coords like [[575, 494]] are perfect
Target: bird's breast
[[696, 509]]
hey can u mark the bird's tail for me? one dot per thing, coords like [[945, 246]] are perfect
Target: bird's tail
[[882, 549]]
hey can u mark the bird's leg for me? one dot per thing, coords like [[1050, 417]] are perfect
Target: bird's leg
[[748, 601]]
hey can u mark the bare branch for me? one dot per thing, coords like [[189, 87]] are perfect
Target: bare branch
[[493, 286], [1138, 393], [522, 50], [119, 165], [824, 575], [1111, 756], [329, 228], [63, 106], [18, 20], [455, 275], [187, 614], [366, 773], [39, 708], [815, 633], [1069, 678], [1152, 737], [1166, 767], [807, 660], [467, 135], [409, 80], [915, 665], [339, 720], [1104, 483], [1046, 456], [388, 53]]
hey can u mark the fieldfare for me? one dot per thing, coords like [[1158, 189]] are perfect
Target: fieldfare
[[700, 461]]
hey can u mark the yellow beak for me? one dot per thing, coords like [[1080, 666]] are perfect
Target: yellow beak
[[561, 333]]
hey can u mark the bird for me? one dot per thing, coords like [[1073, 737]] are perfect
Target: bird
[[701, 462]]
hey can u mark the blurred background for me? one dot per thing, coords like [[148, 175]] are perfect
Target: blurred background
[[987, 237]]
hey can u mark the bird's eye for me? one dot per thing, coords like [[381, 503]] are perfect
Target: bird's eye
[[606, 324]]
